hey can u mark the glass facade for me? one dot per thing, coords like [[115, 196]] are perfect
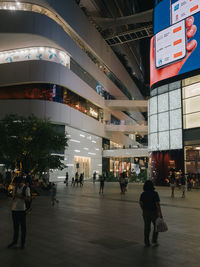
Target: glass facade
[[169, 106], [191, 121], [52, 92], [191, 100], [165, 118], [89, 79]]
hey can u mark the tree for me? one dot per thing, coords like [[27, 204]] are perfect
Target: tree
[[30, 144]]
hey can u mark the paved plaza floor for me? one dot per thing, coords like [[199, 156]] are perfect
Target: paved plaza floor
[[86, 229]]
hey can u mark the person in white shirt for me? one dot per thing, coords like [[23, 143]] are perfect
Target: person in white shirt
[[20, 195]]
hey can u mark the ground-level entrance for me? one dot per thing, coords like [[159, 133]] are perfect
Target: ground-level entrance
[[82, 165]]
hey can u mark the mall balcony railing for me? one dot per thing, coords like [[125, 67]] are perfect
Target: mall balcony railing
[[126, 152], [126, 127], [138, 146]]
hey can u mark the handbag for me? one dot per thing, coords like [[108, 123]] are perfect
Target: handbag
[[161, 225]]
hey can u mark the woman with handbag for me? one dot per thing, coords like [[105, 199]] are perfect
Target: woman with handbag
[[150, 205]]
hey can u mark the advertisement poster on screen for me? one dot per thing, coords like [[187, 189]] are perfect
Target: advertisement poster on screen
[[175, 46]]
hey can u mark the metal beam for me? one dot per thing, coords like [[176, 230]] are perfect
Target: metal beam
[[130, 36]]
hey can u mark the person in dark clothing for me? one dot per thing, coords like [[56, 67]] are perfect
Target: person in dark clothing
[[1, 178], [189, 182], [102, 180], [76, 179], [172, 181], [183, 184], [81, 179], [29, 180], [94, 177], [66, 178], [150, 205], [122, 182]]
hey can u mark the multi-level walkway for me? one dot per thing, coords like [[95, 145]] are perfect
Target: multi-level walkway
[[86, 229]]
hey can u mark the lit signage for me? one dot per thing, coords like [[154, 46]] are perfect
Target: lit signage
[[93, 113], [175, 45]]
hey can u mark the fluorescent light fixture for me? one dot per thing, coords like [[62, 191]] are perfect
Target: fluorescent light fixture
[[70, 165], [90, 153], [93, 141], [68, 135], [75, 141], [61, 177], [78, 151], [82, 135], [97, 149]]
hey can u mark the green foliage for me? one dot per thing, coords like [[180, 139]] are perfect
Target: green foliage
[[27, 144], [111, 177], [141, 178]]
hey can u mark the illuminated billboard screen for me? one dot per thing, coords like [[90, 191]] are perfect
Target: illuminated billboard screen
[[175, 46]]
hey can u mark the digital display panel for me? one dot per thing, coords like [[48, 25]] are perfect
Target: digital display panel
[[175, 46], [181, 9], [170, 44]]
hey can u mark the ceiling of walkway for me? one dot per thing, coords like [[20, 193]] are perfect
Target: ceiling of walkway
[[126, 25]]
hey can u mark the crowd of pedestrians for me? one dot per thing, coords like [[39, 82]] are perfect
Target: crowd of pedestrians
[[180, 180], [149, 200], [78, 180]]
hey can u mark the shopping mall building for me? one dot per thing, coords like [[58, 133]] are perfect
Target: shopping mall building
[[174, 105], [55, 64]]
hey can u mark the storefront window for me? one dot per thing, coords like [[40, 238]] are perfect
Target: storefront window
[[55, 93], [115, 145], [82, 165], [192, 159]]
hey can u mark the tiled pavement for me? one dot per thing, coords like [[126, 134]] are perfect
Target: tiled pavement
[[86, 229]]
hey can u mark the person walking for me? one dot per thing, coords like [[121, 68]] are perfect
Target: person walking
[[172, 181], [76, 178], [66, 178], [20, 195], [122, 183], [150, 205], [94, 177], [81, 179], [73, 181], [53, 194], [189, 182], [102, 180], [183, 184]]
